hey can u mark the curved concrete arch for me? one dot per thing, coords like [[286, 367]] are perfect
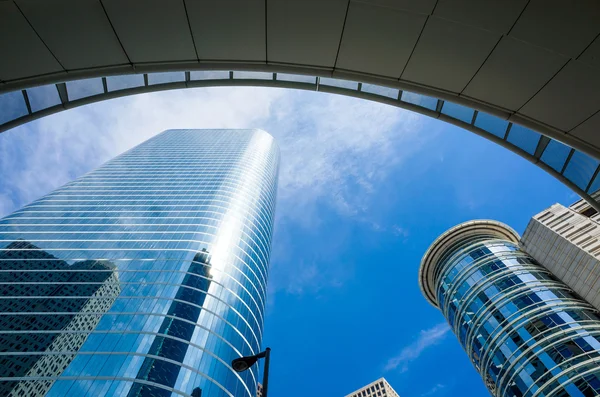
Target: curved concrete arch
[[533, 64], [575, 169]]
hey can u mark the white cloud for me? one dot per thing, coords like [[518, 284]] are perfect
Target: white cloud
[[337, 148], [309, 277], [413, 351], [399, 231], [334, 150], [45, 154], [331, 146], [310, 272], [434, 390]]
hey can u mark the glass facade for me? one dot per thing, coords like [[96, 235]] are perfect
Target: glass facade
[[525, 331], [145, 277]]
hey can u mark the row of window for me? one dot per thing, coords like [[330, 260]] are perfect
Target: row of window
[[524, 330], [139, 290]]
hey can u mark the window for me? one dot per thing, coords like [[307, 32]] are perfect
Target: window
[[589, 212]]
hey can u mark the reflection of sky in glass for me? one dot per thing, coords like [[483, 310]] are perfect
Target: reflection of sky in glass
[[297, 78], [209, 75], [166, 77], [523, 138], [555, 155], [351, 85], [43, 97], [499, 302], [420, 100], [114, 83], [78, 89], [380, 90], [12, 106], [459, 112], [252, 75], [580, 169], [491, 124], [212, 191], [595, 184]]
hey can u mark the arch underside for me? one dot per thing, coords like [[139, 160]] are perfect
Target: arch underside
[[523, 74]]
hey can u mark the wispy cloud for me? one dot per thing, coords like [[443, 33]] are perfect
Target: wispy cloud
[[334, 150], [434, 390], [298, 269], [309, 278], [45, 154], [332, 146], [413, 351], [400, 231], [337, 148]]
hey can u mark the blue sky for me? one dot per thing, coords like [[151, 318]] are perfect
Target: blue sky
[[364, 189]]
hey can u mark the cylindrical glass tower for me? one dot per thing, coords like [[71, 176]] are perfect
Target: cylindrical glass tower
[[145, 277], [524, 330]]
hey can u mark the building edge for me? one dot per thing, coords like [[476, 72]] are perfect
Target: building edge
[[447, 239]]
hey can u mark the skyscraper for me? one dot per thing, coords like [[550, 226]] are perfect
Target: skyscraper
[[378, 388], [52, 295], [566, 241], [526, 332], [145, 277]]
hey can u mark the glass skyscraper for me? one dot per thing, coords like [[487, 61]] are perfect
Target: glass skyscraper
[[145, 277], [526, 332]]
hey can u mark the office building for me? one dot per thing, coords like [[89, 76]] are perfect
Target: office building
[[259, 390], [378, 388], [52, 296], [145, 277], [525, 331], [566, 241]]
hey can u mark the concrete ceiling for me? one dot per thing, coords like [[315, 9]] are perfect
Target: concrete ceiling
[[536, 63]]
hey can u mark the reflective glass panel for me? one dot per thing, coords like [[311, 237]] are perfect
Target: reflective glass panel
[[491, 124], [380, 90], [78, 89], [43, 97], [458, 112], [519, 325], [166, 77], [144, 277], [125, 81], [252, 75], [351, 85], [580, 169], [209, 75], [595, 185], [419, 100], [555, 155], [523, 138], [297, 78], [12, 106]]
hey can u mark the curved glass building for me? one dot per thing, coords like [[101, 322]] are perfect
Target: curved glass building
[[525, 331], [145, 277]]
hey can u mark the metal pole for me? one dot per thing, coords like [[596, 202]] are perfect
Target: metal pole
[[266, 373]]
